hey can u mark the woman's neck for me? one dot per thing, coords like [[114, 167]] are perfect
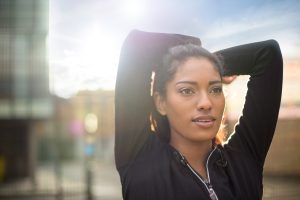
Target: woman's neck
[[196, 153]]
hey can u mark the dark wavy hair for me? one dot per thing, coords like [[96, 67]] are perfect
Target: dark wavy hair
[[165, 72]]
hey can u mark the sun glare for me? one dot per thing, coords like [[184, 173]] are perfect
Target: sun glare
[[97, 51], [91, 65], [99, 56], [133, 9], [87, 59]]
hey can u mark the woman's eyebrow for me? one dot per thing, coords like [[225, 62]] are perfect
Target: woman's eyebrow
[[187, 82], [195, 83], [215, 82]]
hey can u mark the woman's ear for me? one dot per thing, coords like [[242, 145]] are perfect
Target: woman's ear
[[159, 103]]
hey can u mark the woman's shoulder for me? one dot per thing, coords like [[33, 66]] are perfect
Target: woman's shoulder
[[149, 162]]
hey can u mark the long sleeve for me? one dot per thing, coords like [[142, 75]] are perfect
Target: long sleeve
[[140, 52], [263, 62]]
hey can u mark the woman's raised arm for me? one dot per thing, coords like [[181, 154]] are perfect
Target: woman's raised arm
[[263, 62]]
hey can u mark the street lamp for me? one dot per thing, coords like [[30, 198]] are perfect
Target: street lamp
[[91, 126]]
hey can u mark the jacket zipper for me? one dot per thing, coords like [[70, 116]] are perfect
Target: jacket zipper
[[207, 183]]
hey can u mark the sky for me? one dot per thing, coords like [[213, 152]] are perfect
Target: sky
[[85, 37]]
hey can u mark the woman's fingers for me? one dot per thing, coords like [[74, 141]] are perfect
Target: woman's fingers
[[228, 79]]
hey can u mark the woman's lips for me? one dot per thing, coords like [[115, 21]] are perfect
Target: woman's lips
[[204, 121]]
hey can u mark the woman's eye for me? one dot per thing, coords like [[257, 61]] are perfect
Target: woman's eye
[[217, 90], [186, 91]]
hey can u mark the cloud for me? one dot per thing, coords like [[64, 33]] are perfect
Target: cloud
[[279, 14], [279, 21]]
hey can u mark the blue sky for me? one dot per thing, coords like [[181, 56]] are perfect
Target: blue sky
[[86, 36]]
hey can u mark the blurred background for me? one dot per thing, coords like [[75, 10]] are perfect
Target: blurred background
[[58, 63]]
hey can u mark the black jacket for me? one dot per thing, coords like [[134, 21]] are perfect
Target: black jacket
[[152, 169]]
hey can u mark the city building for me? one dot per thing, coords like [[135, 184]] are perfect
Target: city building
[[24, 83]]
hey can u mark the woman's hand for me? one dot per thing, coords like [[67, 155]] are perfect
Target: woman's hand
[[228, 79]]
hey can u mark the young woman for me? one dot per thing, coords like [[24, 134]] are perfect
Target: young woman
[[166, 145]]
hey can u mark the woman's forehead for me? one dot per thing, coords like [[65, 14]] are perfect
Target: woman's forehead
[[198, 68]]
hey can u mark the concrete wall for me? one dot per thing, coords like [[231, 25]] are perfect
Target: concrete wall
[[284, 154]]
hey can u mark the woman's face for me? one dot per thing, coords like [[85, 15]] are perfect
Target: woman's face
[[194, 101]]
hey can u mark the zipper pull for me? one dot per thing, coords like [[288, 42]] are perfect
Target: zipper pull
[[212, 193]]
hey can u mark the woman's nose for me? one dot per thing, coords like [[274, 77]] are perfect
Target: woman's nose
[[204, 102]]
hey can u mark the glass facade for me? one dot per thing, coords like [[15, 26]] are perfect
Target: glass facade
[[24, 82]]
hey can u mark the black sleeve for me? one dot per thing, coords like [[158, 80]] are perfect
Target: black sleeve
[[263, 62], [140, 52]]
